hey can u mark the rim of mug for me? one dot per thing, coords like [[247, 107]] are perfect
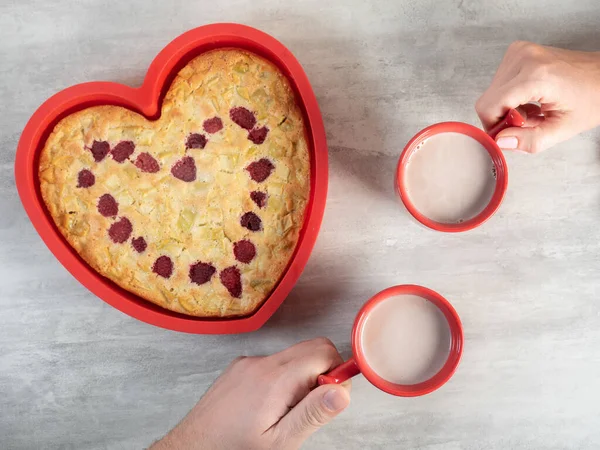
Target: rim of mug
[[495, 154], [454, 355]]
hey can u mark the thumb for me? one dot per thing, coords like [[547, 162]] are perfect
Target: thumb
[[531, 139], [318, 408]]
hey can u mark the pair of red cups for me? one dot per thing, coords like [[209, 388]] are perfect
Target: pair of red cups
[[358, 364]]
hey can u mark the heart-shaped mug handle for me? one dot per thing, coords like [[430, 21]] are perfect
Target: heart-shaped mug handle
[[513, 118]]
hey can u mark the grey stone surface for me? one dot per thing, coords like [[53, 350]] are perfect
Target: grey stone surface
[[76, 373]]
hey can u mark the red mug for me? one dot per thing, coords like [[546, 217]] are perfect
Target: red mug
[[512, 119], [358, 364]]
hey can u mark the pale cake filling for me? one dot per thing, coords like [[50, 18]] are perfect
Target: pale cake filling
[[198, 211]]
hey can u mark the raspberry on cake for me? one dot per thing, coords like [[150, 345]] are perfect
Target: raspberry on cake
[[199, 211]]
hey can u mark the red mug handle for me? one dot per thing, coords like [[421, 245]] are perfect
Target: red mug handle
[[339, 374], [513, 118]]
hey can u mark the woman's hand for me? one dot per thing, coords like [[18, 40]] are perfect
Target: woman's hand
[[566, 84], [267, 402]]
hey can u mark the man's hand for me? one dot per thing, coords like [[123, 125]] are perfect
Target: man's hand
[[267, 402]]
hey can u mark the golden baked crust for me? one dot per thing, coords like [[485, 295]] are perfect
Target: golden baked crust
[[195, 221]]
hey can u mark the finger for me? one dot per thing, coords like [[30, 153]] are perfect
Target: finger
[[302, 372], [322, 358], [493, 105], [347, 384], [533, 121], [318, 408], [299, 350], [531, 139]]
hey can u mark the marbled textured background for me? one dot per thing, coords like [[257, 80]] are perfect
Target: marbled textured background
[[75, 373]]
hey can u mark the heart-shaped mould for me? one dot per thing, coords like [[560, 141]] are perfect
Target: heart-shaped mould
[[146, 100]]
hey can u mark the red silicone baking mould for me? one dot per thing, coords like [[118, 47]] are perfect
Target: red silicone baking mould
[[147, 100]]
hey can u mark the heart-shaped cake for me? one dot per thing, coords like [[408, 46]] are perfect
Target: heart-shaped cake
[[199, 211]]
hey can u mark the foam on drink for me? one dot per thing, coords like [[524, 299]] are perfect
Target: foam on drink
[[450, 178], [406, 339]]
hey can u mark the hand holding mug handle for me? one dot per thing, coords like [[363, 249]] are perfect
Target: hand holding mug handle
[[357, 363]]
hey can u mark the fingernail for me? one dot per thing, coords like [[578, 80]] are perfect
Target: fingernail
[[508, 143], [334, 400]]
